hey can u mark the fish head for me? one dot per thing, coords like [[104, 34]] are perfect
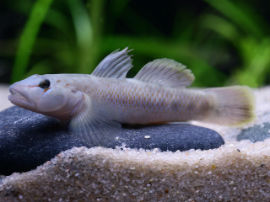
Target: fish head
[[46, 95]]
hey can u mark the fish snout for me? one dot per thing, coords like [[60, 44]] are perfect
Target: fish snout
[[12, 89], [19, 96]]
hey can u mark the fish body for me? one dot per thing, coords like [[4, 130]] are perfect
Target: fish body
[[106, 99], [135, 102]]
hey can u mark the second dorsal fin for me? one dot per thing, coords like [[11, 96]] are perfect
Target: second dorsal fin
[[115, 65], [165, 72]]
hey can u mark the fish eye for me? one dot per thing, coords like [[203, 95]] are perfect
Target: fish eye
[[44, 84]]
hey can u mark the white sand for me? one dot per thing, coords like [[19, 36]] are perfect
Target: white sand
[[4, 102], [237, 171]]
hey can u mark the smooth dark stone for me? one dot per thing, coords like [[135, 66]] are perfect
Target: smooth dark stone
[[28, 139], [255, 133]]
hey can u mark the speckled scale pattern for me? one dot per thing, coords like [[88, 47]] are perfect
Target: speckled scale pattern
[[134, 101]]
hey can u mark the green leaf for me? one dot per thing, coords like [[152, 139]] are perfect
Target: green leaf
[[256, 62], [221, 26], [82, 24], [28, 38], [239, 14]]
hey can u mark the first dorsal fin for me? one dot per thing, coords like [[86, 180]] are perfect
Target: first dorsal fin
[[115, 65], [165, 72]]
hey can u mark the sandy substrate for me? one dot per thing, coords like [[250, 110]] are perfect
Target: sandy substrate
[[4, 103], [237, 171]]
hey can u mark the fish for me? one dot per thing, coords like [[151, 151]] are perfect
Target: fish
[[104, 100]]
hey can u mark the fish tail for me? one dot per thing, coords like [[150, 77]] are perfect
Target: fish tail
[[231, 105]]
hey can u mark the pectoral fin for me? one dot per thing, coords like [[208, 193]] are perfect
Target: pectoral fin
[[166, 72], [94, 133], [91, 128], [115, 65]]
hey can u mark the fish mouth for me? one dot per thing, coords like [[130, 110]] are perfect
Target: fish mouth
[[19, 98]]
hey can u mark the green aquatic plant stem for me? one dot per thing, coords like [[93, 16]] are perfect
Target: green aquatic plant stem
[[96, 8], [28, 37], [83, 33], [88, 25]]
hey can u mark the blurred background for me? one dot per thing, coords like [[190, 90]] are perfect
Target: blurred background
[[223, 42]]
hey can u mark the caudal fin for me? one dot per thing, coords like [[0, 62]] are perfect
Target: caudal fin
[[231, 105]]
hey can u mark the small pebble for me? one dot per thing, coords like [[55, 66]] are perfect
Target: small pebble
[[255, 133]]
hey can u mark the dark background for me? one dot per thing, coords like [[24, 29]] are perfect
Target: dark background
[[223, 42]]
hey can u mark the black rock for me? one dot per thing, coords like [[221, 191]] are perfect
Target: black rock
[[255, 133], [28, 139]]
